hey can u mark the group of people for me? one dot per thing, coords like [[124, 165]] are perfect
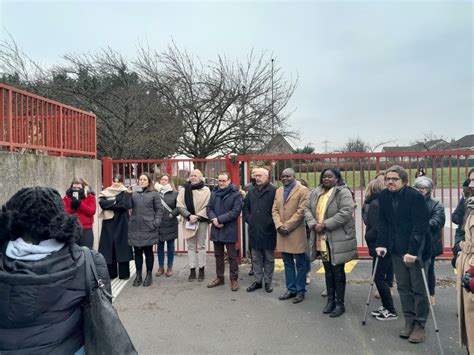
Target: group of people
[[40, 245]]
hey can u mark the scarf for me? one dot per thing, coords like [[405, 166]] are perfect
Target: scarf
[[20, 250], [188, 195], [320, 212], [287, 190], [220, 194], [162, 189], [110, 194]]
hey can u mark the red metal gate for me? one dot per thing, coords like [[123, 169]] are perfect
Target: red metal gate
[[448, 169]]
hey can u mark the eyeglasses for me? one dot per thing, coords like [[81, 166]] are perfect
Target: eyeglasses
[[285, 176], [394, 179], [222, 180]]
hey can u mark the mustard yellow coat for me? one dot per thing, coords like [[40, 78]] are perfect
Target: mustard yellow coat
[[290, 214]]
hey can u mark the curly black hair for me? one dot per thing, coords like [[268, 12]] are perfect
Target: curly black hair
[[38, 212]]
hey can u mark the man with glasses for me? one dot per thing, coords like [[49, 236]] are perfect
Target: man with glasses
[[288, 215], [223, 211], [403, 234]]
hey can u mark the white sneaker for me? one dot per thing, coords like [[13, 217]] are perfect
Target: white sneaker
[[386, 315], [378, 311]]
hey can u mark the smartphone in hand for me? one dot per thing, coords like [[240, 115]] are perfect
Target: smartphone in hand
[[75, 195]]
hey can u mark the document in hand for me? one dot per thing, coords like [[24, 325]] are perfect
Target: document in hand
[[191, 225]]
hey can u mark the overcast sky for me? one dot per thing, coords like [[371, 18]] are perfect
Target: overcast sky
[[380, 70]]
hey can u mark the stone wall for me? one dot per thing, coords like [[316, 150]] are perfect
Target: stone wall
[[25, 170]]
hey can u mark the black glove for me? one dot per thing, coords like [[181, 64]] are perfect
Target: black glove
[[283, 231], [75, 203], [466, 281]]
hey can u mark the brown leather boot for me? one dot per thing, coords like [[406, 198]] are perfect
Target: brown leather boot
[[169, 272], [217, 282], [201, 274], [234, 285], [405, 332], [418, 334], [192, 274], [160, 271]]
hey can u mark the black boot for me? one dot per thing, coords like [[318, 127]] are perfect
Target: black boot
[[148, 279], [331, 290], [340, 278], [138, 280], [339, 310], [330, 305], [192, 274], [201, 274]]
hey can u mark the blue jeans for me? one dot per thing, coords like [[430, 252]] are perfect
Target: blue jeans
[[170, 252], [295, 278]]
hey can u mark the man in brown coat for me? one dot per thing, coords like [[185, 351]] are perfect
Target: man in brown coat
[[288, 215]]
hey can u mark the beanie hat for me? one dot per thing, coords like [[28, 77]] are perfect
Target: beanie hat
[[39, 213]]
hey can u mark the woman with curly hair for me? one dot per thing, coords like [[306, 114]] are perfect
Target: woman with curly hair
[[42, 275], [80, 200]]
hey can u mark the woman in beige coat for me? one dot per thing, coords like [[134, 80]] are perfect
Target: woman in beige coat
[[329, 214], [191, 203], [465, 263]]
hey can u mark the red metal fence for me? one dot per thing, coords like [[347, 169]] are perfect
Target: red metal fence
[[448, 169], [31, 123]]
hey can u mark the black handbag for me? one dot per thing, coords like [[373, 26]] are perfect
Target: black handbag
[[104, 333]]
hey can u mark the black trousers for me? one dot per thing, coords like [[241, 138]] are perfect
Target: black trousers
[[382, 282], [123, 268], [87, 238], [149, 259]]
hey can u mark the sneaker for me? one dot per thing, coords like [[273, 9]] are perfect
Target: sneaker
[[386, 315], [378, 311]]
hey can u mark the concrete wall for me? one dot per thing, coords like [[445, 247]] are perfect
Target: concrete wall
[[25, 170]]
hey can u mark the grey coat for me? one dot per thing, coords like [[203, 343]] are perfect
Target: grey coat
[[339, 222], [147, 212]]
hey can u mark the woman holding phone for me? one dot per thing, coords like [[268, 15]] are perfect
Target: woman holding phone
[[80, 201], [143, 225]]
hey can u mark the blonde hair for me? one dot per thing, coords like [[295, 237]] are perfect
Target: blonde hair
[[198, 173], [374, 186]]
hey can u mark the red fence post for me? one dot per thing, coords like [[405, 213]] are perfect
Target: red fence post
[[106, 171], [9, 121]]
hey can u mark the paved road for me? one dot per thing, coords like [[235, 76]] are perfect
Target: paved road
[[178, 317]]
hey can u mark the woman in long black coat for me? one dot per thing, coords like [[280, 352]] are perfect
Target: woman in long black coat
[[113, 244], [168, 229]]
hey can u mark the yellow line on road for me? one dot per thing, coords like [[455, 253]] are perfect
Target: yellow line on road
[[347, 268]]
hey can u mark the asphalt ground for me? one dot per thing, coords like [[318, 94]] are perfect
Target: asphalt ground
[[174, 316]]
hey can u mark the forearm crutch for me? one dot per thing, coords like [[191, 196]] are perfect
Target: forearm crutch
[[364, 322], [431, 306]]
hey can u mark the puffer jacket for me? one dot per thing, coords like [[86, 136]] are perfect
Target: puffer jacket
[[339, 222], [168, 229], [41, 302]]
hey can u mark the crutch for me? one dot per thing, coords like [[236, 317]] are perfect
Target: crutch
[[431, 307], [364, 322]]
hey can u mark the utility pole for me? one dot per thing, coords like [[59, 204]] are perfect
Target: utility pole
[[326, 145], [273, 112]]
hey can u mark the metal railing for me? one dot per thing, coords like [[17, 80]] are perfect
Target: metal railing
[[34, 124]]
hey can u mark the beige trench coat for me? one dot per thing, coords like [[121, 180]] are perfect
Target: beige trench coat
[[290, 214], [466, 299]]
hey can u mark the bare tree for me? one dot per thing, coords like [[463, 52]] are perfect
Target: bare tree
[[223, 105]]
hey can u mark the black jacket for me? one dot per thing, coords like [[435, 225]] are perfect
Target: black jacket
[[458, 218], [371, 219], [168, 229], [41, 302], [114, 234], [404, 230], [436, 224], [257, 212], [230, 208]]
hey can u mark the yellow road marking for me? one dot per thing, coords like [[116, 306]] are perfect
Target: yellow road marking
[[347, 268], [279, 265]]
